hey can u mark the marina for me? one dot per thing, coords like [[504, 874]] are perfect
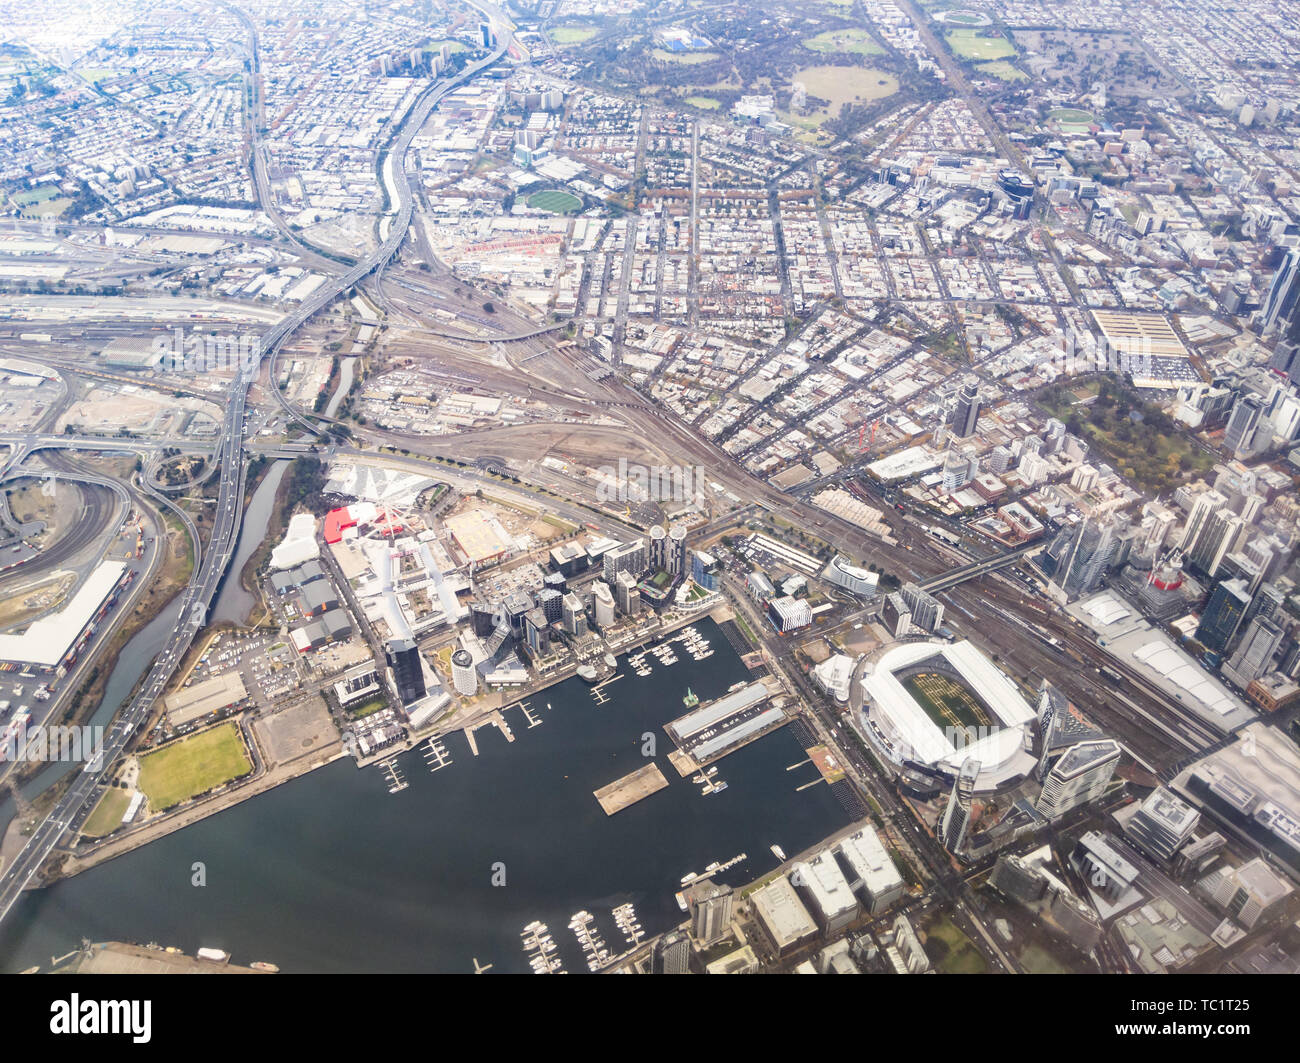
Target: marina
[[393, 776], [329, 839], [594, 949], [626, 921], [436, 755]]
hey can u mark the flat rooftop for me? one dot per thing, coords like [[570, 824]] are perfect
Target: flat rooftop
[[631, 788]]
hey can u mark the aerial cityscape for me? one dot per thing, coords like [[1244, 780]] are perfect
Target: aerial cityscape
[[574, 486]]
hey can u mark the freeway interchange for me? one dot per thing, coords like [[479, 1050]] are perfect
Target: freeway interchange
[[76, 802]]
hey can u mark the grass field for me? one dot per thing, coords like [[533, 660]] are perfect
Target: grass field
[[108, 814], [1071, 115], [951, 951], [946, 702], [1038, 960], [180, 770], [844, 84], [1004, 70], [968, 44], [859, 42], [35, 195], [454, 46], [572, 34], [555, 201], [705, 103]]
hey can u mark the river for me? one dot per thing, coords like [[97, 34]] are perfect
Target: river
[[332, 873]]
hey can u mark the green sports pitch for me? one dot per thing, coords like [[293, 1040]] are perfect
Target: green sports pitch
[[555, 201]]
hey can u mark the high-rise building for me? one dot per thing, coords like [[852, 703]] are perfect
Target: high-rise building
[[957, 813], [672, 954], [1018, 879], [1077, 557], [658, 549], [1279, 308], [573, 616], [1221, 533], [1206, 502], [604, 604], [926, 610], [1254, 652], [677, 550], [485, 34], [711, 907], [1162, 824], [626, 594], [551, 602], [1080, 775], [537, 633], [967, 413], [704, 570], [463, 675], [630, 557], [1239, 436], [1223, 615], [408, 675]]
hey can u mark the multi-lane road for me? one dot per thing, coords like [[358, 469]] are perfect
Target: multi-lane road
[[77, 801]]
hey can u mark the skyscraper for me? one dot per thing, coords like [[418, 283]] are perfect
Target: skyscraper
[[956, 816], [658, 549], [672, 954], [1243, 422], [1255, 651], [677, 550], [711, 907], [1283, 294], [1223, 615], [967, 414], [463, 676], [1076, 559], [1207, 502], [1220, 534], [1081, 774], [404, 659]]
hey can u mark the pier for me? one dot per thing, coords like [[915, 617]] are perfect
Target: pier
[[630, 789], [436, 755]]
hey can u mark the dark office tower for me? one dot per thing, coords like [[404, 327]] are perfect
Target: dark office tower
[[404, 660], [1286, 361], [1243, 423], [677, 565], [1223, 615], [672, 954], [658, 549], [967, 414], [1283, 295]]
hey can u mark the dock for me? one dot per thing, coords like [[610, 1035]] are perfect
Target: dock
[[436, 755], [630, 789], [393, 775]]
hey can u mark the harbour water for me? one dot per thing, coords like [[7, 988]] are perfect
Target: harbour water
[[330, 872]]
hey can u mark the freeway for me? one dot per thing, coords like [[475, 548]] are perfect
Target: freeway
[[75, 804]]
